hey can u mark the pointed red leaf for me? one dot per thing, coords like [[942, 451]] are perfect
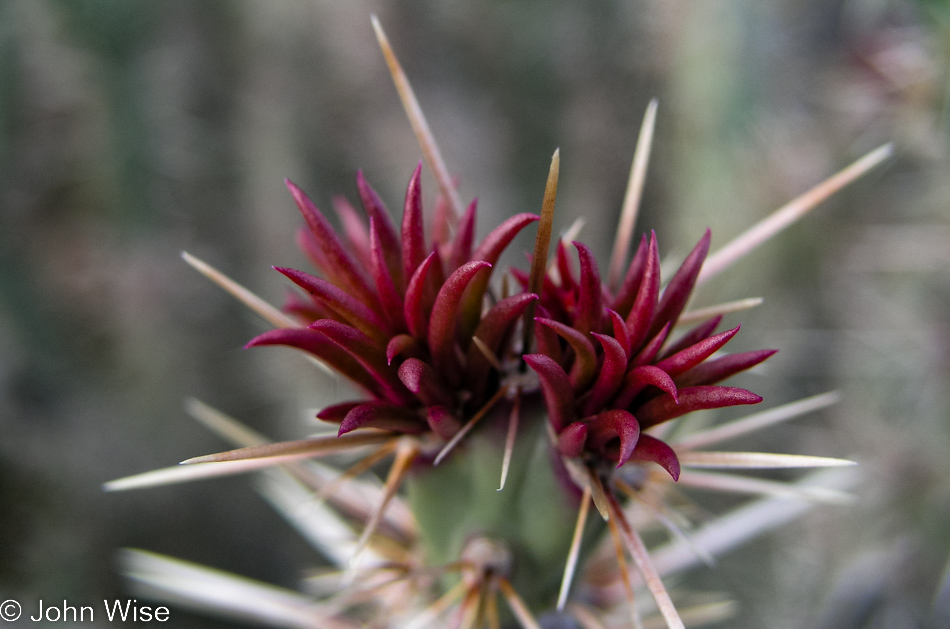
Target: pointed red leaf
[[584, 366], [664, 408], [367, 353], [589, 305], [310, 248], [443, 323], [692, 337], [307, 309], [443, 422], [717, 370], [495, 242], [335, 413], [417, 306], [423, 381], [393, 307], [611, 374], [623, 300], [352, 310], [413, 232], [492, 330], [652, 449], [571, 440], [677, 292], [546, 340], [461, 251], [644, 304], [620, 330], [649, 352], [405, 346], [564, 268], [388, 237], [383, 417], [556, 388], [354, 227], [640, 378], [489, 250], [323, 348], [607, 426], [688, 358], [340, 263]]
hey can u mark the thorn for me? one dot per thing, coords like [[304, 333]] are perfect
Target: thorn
[[631, 199], [513, 420], [781, 218], [518, 608], [283, 451], [467, 428], [574, 553], [433, 611], [758, 460], [641, 557], [417, 119], [542, 243], [406, 452], [490, 355], [599, 494], [624, 571], [263, 309], [756, 421], [702, 314], [356, 469]]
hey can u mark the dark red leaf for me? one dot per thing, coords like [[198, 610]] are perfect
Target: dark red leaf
[[489, 250], [443, 422], [323, 348], [421, 379], [388, 238], [649, 352], [352, 310], [335, 413], [369, 354], [465, 237], [393, 307], [354, 227], [688, 358], [413, 232], [443, 323], [644, 305], [713, 371], [692, 337], [571, 440], [620, 330], [417, 306], [623, 300], [384, 417], [339, 262], [652, 449], [556, 389], [589, 305], [610, 425], [491, 332], [664, 408], [677, 292], [640, 378], [564, 269], [405, 346], [584, 366], [611, 374]]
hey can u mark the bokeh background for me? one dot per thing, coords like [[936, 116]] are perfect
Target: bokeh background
[[131, 130]]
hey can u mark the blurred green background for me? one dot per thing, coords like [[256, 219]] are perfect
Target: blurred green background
[[131, 130]]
